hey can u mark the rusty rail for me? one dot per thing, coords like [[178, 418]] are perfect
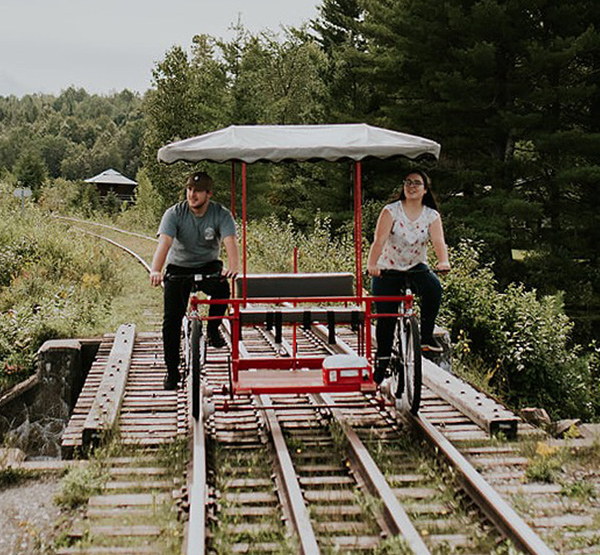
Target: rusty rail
[[292, 491], [394, 514], [489, 501]]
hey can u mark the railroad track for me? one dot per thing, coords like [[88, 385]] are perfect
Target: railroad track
[[351, 473]]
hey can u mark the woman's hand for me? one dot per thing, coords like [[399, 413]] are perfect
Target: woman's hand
[[373, 270]]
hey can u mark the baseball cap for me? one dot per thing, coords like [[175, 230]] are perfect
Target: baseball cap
[[200, 181]]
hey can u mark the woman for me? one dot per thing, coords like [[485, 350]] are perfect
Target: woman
[[403, 230]]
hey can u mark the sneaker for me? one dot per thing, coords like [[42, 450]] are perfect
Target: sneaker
[[215, 339], [431, 347], [171, 381]]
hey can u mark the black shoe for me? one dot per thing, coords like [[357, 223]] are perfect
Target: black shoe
[[379, 372], [171, 381], [215, 339]]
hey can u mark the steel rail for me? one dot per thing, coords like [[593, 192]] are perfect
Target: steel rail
[[196, 525], [112, 228], [122, 247], [394, 514], [496, 509], [292, 491], [493, 506], [489, 501]]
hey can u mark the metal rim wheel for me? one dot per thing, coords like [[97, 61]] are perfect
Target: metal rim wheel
[[413, 377], [396, 366], [198, 356]]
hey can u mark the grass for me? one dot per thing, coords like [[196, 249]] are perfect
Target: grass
[[137, 301], [230, 464], [545, 462], [14, 476], [80, 483], [580, 490]]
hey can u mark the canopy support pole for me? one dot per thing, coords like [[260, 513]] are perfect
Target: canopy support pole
[[244, 242], [358, 227], [233, 188]]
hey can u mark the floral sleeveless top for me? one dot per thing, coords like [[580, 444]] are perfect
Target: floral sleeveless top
[[406, 245]]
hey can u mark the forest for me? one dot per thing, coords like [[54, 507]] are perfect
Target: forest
[[514, 104]]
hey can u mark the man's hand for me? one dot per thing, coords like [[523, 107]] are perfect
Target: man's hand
[[226, 272], [155, 278]]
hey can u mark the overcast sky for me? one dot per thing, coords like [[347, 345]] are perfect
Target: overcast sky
[[109, 45]]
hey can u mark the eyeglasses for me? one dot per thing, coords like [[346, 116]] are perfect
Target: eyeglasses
[[411, 183]]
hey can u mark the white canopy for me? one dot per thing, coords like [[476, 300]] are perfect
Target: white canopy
[[274, 143]]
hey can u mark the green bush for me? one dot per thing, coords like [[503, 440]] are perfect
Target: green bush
[[79, 484], [271, 244], [524, 341], [52, 284]]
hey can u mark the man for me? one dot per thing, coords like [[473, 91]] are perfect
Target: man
[[189, 241]]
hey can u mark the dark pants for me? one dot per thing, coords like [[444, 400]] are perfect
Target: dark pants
[[176, 296], [422, 282]]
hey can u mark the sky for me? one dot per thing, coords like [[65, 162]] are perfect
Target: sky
[[104, 46]]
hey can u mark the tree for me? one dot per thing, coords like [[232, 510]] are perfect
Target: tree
[[189, 97], [339, 32], [503, 99], [30, 170]]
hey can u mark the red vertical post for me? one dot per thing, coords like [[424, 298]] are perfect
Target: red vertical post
[[368, 336], [294, 332], [244, 244], [358, 225]]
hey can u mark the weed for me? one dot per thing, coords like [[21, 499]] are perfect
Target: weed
[[13, 476], [545, 464], [581, 489], [79, 484], [395, 545]]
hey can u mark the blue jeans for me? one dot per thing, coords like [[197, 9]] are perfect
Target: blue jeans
[[422, 282]]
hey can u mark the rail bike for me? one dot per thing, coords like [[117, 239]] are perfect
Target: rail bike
[[282, 303]]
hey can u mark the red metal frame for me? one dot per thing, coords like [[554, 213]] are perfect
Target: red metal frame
[[296, 374]]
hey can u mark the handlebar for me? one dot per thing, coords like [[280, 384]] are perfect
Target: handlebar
[[408, 273], [195, 278]]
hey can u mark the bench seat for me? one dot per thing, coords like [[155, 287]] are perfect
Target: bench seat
[[298, 285], [299, 315]]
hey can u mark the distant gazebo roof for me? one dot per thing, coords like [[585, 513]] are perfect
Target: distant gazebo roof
[[111, 177], [112, 182]]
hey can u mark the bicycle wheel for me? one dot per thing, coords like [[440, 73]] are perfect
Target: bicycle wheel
[[198, 355], [187, 354], [396, 364], [411, 343]]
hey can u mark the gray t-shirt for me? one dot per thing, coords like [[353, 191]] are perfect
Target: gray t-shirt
[[196, 239]]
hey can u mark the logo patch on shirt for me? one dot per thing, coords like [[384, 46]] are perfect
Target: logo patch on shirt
[[209, 234]]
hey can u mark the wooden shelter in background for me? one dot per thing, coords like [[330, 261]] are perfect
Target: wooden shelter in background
[[112, 180]]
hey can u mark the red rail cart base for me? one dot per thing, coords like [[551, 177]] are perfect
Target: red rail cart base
[[339, 373]]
